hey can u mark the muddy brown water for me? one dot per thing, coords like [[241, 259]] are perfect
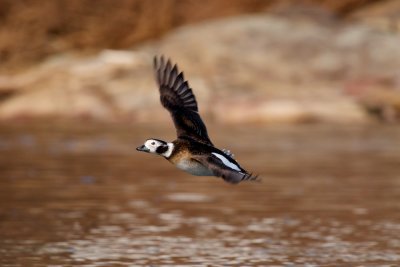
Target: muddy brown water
[[81, 195]]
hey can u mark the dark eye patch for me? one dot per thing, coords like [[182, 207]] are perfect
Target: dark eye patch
[[153, 143], [162, 149]]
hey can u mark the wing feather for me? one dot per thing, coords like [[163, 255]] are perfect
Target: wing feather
[[178, 98], [219, 169]]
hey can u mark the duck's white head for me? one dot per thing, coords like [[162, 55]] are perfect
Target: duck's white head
[[156, 146]]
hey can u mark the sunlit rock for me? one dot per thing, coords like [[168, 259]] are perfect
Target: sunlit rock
[[248, 69]]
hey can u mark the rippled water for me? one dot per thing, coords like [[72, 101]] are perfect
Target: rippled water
[[82, 195]]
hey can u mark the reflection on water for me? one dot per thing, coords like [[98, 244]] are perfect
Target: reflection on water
[[74, 195]]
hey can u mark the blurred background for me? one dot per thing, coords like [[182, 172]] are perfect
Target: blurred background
[[305, 93], [273, 61]]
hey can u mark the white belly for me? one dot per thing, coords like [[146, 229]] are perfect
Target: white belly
[[194, 168]]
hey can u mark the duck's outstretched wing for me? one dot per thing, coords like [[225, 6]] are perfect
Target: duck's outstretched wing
[[177, 97], [231, 172]]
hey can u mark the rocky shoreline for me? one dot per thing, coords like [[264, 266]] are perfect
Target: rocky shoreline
[[250, 69]]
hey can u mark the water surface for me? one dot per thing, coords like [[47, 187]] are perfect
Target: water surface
[[81, 195]]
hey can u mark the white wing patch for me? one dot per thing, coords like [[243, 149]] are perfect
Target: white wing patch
[[226, 162]]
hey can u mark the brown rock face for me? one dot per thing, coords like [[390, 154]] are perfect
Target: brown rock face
[[31, 30], [253, 68]]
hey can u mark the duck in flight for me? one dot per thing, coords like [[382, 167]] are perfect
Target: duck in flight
[[193, 150]]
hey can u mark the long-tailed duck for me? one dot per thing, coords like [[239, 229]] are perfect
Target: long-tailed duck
[[193, 150]]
